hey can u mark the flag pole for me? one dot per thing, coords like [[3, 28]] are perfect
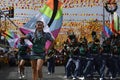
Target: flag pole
[[118, 24], [9, 19], [102, 33], [103, 15]]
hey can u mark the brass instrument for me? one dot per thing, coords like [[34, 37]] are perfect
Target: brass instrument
[[50, 54]]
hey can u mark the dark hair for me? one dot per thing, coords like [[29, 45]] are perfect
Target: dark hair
[[93, 33], [22, 40], [39, 22], [97, 40]]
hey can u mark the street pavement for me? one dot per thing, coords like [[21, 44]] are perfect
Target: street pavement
[[10, 73]]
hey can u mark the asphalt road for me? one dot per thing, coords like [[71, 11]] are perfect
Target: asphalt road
[[10, 73]]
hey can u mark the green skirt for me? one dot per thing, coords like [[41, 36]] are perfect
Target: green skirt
[[35, 56]]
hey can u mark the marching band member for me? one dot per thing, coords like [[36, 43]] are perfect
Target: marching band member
[[73, 61], [51, 60]]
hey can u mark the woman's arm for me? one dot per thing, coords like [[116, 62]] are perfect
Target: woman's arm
[[23, 37]]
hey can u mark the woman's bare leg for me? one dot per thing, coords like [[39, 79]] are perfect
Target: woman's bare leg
[[34, 69], [39, 68], [21, 66]]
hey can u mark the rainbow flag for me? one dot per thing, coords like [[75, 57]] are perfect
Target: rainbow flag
[[106, 33], [51, 15], [11, 37]]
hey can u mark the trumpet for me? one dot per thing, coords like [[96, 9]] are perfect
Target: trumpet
[[50, 54]]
